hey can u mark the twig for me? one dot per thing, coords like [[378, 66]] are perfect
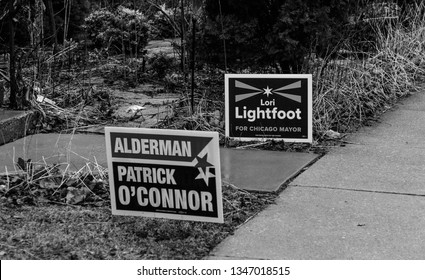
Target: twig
[[226, 200], [236, 188], [7, 177], [84, 126], [253, 145]]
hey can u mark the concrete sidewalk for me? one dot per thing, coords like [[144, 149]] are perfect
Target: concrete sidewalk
[[253, 170], [362, 201]]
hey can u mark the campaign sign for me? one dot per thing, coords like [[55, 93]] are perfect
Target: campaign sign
[[160, 173], [269, 106]]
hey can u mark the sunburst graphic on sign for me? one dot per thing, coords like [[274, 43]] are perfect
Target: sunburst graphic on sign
[[268, 91]]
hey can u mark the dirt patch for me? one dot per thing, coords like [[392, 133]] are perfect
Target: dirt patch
[[143, 106]]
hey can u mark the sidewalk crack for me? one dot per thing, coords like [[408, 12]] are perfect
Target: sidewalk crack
[[359, 190]]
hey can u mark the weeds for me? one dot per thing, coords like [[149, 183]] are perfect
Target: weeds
[[349, 92]]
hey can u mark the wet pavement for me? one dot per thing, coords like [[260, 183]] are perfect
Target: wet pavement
[[257, 170], [246, 169], [71, 152]]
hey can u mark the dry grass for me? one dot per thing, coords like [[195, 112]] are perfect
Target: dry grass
[[70, 218], [50, 212], [348, 92]]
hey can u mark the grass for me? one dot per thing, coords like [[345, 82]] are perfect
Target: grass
[[54, 217]]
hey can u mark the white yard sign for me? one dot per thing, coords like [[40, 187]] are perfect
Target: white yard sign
[[160, 173]]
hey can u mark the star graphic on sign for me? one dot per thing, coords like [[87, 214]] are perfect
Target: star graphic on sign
[[267, 91], [204, 169]]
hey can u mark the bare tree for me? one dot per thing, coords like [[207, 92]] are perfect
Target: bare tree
[[11, 11], [49, 5]]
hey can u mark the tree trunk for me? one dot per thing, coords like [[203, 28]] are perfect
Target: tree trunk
[[182, 62], [1, 93], [49, 5], [193, 64], [68, 4], [12, 62]]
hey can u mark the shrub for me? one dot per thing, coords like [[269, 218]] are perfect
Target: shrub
[[124, 31], [265, 32], [160, 24], [241, 40], [160, 64]]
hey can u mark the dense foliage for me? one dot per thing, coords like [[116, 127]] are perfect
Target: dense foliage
[[262, 35], [121, 31], [269, 32]]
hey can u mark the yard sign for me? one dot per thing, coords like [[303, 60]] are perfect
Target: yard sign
[[160, 173], [269, 106]]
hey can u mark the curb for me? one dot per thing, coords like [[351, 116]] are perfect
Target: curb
[[16, 124]]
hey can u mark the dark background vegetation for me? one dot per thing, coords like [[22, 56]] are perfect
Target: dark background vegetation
[[231, 34]]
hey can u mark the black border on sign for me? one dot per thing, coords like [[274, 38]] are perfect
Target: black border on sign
[[213, 145], [228, 119]]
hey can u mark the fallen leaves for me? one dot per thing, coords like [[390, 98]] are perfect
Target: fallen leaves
[[35, 185]]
